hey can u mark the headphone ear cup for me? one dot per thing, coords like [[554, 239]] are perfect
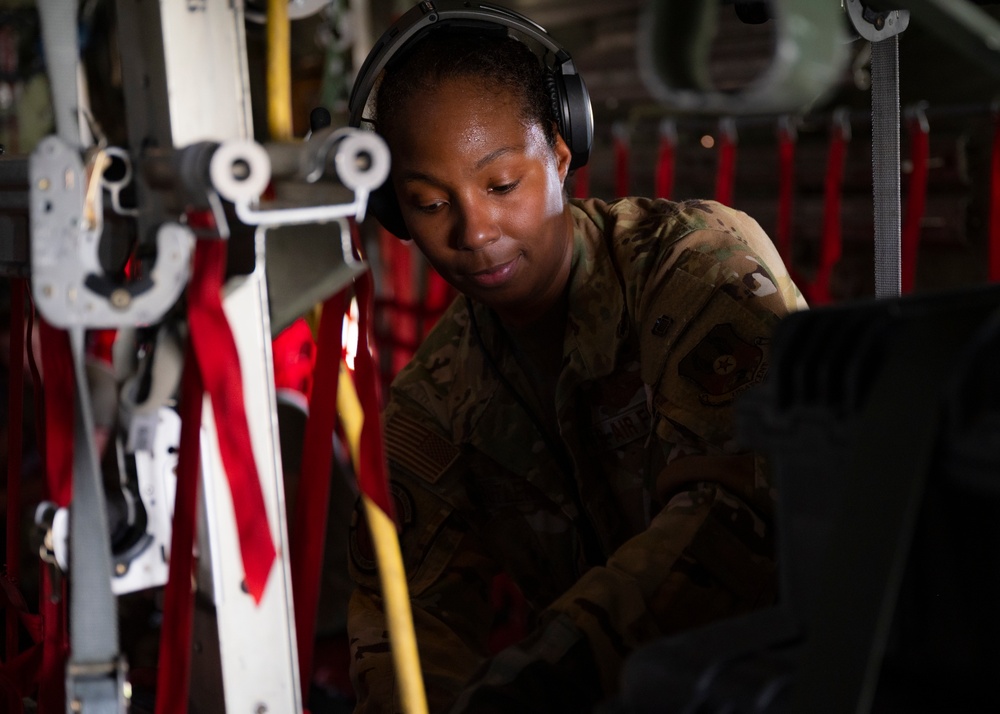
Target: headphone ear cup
[[555, 100], [574, 115], [384, 205], [578, 117]]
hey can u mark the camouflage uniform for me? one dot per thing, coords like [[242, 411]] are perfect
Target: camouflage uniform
[[624, 513]]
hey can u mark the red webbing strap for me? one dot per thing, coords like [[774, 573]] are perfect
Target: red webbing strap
[[439, 294], [665, 158], [916, 200], [403, 325], [15, 416], [12, 599], [219, 364], [830, 242], [725, 176], [53, 630], [581, 182], [57, 447], [312, 502], [173, 677], [372, 479], [19, 676], [620, 141], [55, 645], [59, 383], [994, 254], [20, 671], [786, 190], [101, 345]]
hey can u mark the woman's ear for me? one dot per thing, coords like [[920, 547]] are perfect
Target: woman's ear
[[563, 157]]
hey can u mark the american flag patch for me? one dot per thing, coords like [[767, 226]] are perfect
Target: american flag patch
[[415, 447]]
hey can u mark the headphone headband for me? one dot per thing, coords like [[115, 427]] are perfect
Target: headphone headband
[[422, 17]]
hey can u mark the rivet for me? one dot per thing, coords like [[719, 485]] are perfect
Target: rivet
[[121, 298]]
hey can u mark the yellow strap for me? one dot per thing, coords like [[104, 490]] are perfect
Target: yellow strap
[[351, 414], [402, 637], [399, 618], [279, 71]]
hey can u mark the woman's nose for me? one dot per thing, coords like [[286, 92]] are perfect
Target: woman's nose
[[478, 226]]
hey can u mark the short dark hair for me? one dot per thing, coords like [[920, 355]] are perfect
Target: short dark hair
[[495, 59]]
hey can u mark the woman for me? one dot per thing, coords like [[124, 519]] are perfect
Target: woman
[[568, 423]]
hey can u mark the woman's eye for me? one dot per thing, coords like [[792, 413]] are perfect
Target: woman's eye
[[504, 188], [430, 207]]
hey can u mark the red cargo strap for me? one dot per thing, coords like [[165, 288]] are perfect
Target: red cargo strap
[[994, 259], [219, 365], [309, 526], [59, 383], [15, 416], [56, 444], [21, 671], [174, 674], [665, 158], [55, 645], [786, 189], [439, 294], [916, 199], [19, 676], [726, 171], [818, 292], [402, 323], [372, 479], [13, 601], [619, 134]]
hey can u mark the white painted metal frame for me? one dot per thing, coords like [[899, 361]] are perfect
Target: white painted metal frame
[[185, 71]]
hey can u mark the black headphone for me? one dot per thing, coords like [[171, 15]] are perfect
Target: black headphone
[[569, 95]]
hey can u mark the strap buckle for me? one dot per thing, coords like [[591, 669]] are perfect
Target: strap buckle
[[98, 687]]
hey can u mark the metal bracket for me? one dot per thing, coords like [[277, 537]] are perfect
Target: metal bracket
[[147, 565], [240, 171], [876, 25], [68, 283]]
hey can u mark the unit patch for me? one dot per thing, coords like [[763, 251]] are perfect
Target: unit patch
[[723, 364]]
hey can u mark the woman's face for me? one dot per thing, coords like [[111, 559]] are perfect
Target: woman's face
[[482, 196]]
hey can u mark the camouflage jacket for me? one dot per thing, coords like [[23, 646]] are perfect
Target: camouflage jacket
[[629, 513]]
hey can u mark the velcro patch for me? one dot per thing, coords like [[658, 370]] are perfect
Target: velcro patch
[[417, 448]]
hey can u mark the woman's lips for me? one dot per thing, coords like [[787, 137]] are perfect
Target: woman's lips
[[497, 275]]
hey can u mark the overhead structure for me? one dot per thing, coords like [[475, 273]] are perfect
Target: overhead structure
[[674, 39]]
